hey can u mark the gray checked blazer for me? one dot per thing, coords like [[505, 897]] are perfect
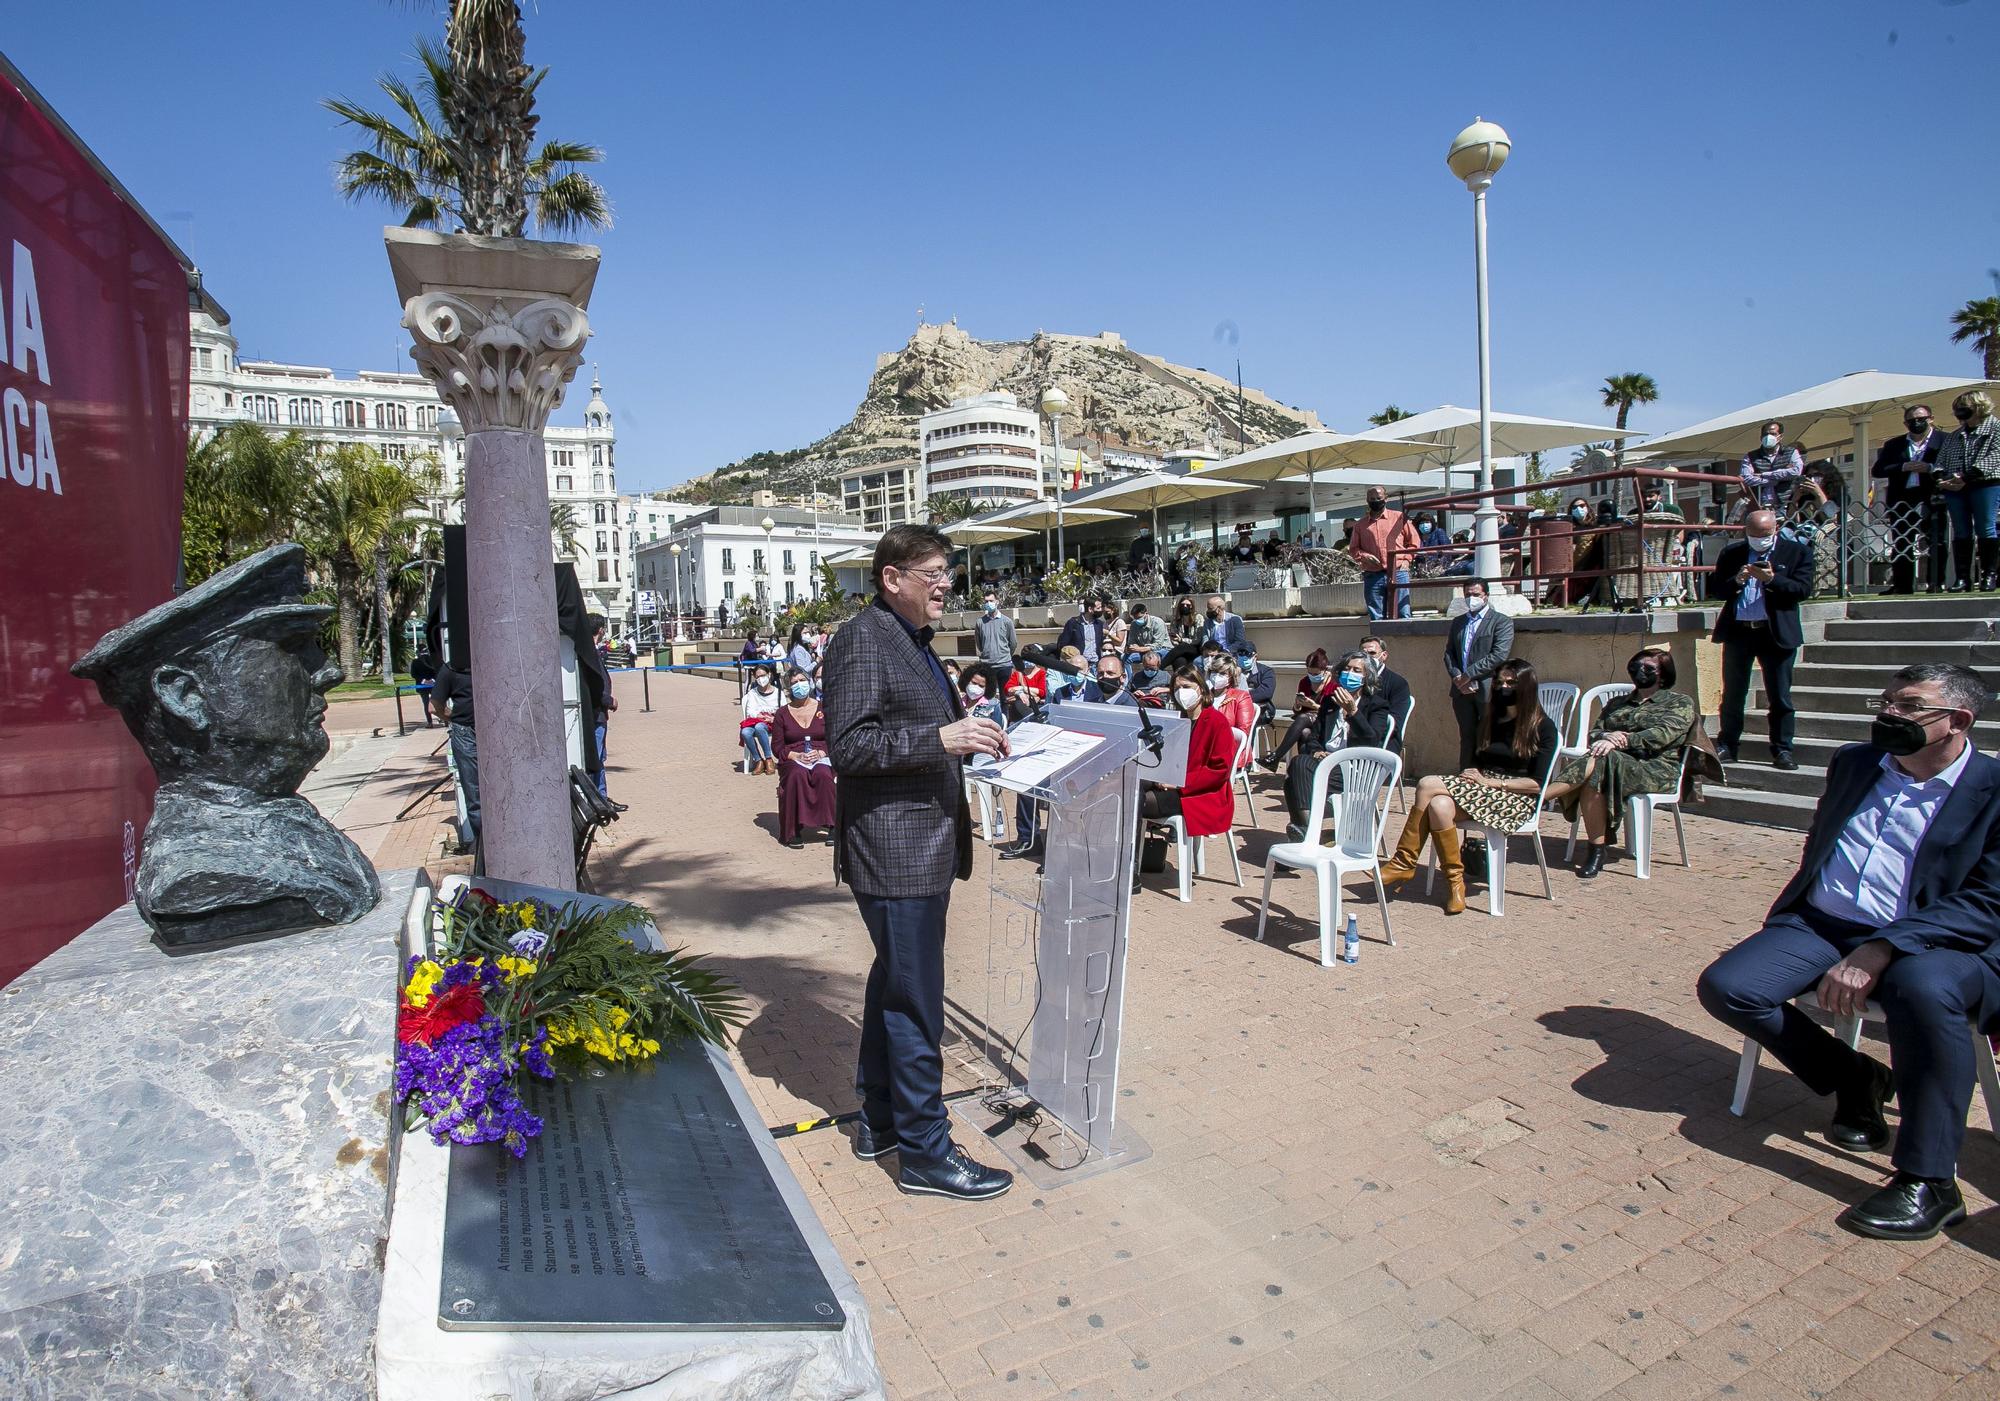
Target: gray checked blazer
[[901, 825]]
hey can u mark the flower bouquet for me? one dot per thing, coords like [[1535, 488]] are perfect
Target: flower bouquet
[[526, 988]]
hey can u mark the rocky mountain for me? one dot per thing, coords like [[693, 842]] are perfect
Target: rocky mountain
[[1118, 398]]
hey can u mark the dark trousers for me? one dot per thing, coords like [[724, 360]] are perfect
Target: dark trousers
[[1299, 786], [1466, 710], [465, 758], [900, 1075], [1744, 644], [1928, 998], [1156, 804], [1298, 732]]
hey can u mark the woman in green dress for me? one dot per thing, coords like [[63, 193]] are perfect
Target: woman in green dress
[[1635, 747]]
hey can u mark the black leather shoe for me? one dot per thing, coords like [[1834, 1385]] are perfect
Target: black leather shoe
[[1909, 1208], [1782, 759], [1857, 1114], [1021, 851], [871, 1143], [955, 1175], [1725, 752], [1593, 864]]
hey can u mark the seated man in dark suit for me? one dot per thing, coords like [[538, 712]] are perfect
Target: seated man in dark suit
[[1897, 899], [1366, 702]]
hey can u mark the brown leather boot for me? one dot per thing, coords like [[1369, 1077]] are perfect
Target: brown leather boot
[[1452, 862], [1402, 863]]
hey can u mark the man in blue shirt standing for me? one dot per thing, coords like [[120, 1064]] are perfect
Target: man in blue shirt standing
[[1761, 580], [1896, 901]]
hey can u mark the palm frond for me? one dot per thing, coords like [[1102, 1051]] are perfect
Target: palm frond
[[571, 203]]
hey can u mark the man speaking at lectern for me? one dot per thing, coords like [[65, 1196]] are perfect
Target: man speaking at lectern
[[897, 733]]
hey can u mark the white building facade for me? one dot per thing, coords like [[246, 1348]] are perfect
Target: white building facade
[[401, 417], [883, 495], [728, 559], [984, 448]]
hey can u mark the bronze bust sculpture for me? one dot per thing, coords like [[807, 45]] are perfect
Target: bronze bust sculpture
[[224, 688]]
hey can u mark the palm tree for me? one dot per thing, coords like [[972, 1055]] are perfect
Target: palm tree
[[1622, 392], [421, 159], [564, 525], [243, 486], [342, 526], [1390, 414], [401, 498], [943, 510], [1979, 322]]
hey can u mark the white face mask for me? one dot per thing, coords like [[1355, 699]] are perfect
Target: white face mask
[[1186, 697], [1475, 605], [974, 692], [1760, 544], [1770, 440]]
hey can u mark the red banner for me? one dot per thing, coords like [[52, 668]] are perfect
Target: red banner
[[93, 445]]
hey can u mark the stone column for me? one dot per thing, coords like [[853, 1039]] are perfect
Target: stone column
[[499, 326]]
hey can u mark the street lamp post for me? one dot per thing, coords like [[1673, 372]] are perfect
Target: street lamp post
[[1476, 155], [767, 599], [1054, 401], [675, 551]]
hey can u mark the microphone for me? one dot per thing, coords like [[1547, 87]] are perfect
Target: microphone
[[1049, 661]]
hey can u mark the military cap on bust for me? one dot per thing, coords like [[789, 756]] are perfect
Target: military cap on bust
[[260, 593]]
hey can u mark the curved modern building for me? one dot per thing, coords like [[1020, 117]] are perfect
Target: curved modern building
[[984, 448]]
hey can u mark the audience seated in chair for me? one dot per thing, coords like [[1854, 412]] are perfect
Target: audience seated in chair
[[1896, 900], [1515, 745], [1204, 801], [805, 777], [1227, 693], [1364, 703], [1314, 688], [1635, 747], [760, 704]]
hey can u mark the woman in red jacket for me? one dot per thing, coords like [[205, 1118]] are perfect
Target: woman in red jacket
[[1204, 802]]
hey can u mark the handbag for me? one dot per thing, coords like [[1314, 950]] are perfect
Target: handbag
[[1153, 854]]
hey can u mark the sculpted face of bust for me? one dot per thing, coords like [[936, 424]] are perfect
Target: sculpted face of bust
[[245, 711]]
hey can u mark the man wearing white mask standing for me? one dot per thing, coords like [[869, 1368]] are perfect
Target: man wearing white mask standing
[[994, 634], [1479, 643], [1760, 581], [1770, 470]]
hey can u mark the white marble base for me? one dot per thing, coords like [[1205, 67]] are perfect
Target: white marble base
[[415, 1360], [196, 1162]]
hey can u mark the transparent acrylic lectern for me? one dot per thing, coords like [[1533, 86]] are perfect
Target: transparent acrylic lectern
[[1055, 961]]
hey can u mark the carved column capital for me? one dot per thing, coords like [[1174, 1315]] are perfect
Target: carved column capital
[[500, 362]]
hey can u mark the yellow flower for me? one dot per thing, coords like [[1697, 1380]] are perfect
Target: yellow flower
[[515, 967], [423, 981]]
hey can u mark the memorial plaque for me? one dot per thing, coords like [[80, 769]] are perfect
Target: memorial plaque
[[644, 1205]]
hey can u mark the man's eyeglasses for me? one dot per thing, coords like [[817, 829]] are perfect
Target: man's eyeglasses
[[933, 577], [1909, 710]]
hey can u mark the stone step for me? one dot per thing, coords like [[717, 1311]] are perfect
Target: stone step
[[1872, 677], [1954, 605], [1804, 782], [1849, 728], [1763, 808], [1897, 630], [1827, 700], [1891, 654]]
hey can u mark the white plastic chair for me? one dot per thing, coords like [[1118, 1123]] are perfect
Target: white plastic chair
[[1594, 700], [1639, 810], [992, 821], [1191, 853], [1556, 698], [1848, 1029], [1401, 726], [1358, 815], [1239, 773], [1496, 852]]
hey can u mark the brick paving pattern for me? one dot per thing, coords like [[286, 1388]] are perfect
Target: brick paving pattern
[[1496, 1161]]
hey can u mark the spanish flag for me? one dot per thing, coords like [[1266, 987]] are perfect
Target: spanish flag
[[1076, 478]]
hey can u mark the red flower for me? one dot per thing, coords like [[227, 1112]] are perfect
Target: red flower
[[426, 1024]]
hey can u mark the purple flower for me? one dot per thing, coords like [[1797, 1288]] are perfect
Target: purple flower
[[529, 943]]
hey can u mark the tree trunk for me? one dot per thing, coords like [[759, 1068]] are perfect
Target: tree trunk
[[1993, 356], [382, 613], [347, 608], [1618, 448]]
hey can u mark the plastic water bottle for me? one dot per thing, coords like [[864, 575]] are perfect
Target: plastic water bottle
[[1350, 941]]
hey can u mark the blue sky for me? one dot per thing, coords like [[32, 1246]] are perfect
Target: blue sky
[[1737, 198]]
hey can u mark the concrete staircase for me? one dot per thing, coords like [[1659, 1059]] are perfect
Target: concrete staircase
[[1831, 686]]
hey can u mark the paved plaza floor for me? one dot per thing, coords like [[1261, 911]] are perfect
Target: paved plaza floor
[[1496, 1160]]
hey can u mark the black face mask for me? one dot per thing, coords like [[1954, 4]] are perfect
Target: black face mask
[[1643, 672], [1898, 734], [1505, 693], [1110, 685], [1376, 508]]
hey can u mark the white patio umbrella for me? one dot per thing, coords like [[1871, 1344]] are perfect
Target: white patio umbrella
[[978, 531], [1448, 435], [1148, 491], [1860, 408], [1045, 516]]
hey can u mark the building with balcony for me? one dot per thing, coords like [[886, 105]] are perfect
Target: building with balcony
[[985, 449], [400, 416], [883, 495], [727, 558]]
